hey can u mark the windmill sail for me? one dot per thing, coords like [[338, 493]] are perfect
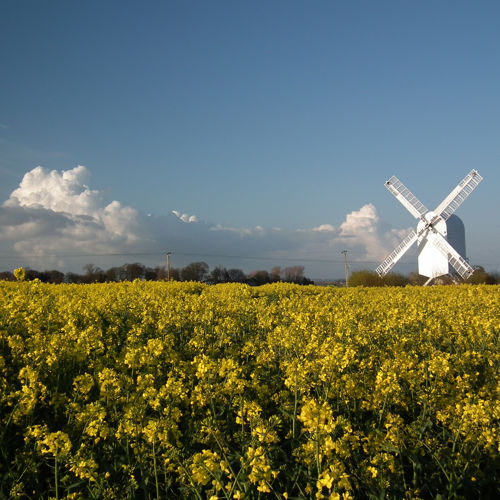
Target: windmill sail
[[460, 265], [406, 197], [448, 206], [397, 253]]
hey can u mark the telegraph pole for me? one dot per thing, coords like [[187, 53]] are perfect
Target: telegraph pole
[[346, 268], [168, 265]]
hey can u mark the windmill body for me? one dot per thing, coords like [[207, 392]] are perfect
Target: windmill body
[[434, 251], [431, 261]]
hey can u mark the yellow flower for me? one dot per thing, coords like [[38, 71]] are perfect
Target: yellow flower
[[19, 274]]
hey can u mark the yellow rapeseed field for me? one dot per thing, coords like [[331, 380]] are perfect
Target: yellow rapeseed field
[[184, 390]]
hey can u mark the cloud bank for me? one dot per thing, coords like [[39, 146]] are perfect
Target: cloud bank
[[53, 215]]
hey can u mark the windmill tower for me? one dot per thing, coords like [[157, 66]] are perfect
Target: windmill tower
[[434, 251]]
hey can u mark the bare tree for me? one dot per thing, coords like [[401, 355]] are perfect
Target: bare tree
[[219, 275], [294, 274], [114, 274], [55, 276], [236, 276], [275, 273], [134, 271], [93, 273], [196, 271], [259, 278]]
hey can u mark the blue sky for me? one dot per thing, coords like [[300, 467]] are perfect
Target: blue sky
[[285, 116]]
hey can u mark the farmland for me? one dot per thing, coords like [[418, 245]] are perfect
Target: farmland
[[166, 389]]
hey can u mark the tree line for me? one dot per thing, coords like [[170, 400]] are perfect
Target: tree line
[[195, 271], [200, 271]]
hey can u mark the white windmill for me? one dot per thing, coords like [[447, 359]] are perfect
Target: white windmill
[[434, 251]]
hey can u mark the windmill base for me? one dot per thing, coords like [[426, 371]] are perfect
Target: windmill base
[[444, 279], [429, 281]]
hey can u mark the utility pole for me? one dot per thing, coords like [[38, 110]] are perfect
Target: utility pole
[[168, 265], [346, 268]]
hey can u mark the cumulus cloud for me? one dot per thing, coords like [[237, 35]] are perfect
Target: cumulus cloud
[[59, 192], [52, 212], [55, 213], [362, 232], [363, 228]]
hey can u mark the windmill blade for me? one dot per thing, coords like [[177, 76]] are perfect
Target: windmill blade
[[396, 254], [460, 265], [448, 206], [406, 197]]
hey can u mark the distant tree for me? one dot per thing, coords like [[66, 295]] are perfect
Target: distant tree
[[257, 278], [94, 274], [32, 274], [219, 275], [365, 278], [74, 278], [43, 276], [275, 273], [480, 276], [150, 274], [236, 276], [175, 274], [55, 276], [161, 273], [395, 279], [7, 276], [113, 274], [133, 271], [496, 276], [196, 271], [90, 268], [295, 274]]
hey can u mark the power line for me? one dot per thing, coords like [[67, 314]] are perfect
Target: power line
[[193, 254], [184, 254], [288, 259]]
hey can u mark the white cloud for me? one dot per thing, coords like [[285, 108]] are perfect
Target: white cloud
[[363, 229], [362, 232], [324, 228], [241, 231], [365, 219], [53, 213], [68, 195], [60, 192], [185, 217]]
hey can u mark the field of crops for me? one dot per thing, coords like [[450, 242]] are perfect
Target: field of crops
[[184, 390]]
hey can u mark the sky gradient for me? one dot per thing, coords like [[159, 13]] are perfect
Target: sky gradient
[[271, 125]]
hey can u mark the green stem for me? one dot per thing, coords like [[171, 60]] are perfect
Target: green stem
[[156, 473], [56, 478], [318, 463], [195, 489], [235, 482], [294, 405]]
